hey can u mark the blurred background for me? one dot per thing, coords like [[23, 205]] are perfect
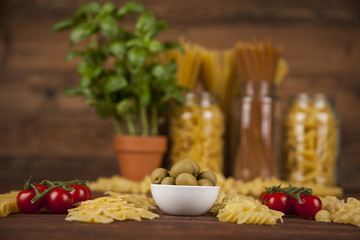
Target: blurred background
[[48, 135]]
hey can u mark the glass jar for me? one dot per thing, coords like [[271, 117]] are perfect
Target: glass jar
[[255, 131], [312, 140], [197, 132]]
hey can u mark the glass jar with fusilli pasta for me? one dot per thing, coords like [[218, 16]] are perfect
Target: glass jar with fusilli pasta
[[197, 132], [312, 140]]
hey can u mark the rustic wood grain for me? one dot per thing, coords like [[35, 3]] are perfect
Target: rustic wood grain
[[44, 133], [46, 225]]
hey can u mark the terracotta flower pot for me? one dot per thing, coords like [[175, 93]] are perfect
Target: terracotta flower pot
[[138, 156]]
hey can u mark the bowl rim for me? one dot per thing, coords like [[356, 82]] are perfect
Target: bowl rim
[[183, 186]]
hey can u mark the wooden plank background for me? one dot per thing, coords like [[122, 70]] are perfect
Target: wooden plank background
[[48, 135]]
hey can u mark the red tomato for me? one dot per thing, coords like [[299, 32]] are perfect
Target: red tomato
[[90, 196], [42, 188], [278, 201], [59, 200], [309, 207], [80, 193], [24, 203], [292, 202], [263, 196]]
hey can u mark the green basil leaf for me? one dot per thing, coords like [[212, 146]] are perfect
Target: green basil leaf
[[81, 32], [146, 26], [103, 109], [73, 91], [73, 54], [170, 45], [114, 83], [91, 102], [109, 27], [135, 42], [107, 10], [128, 8], [136, 57], [120, 68], [89, 8], [89, 70], [159, 71], [87, 92], [162, 25], [117, 48], [85, 81], [64, 24], [125, 106], [156, 46]]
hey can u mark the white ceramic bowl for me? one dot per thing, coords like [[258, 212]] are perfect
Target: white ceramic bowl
[[184, 200]]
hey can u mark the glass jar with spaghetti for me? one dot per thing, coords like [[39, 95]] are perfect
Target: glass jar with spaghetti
[[197, 132], [255, 131], [312, 140]]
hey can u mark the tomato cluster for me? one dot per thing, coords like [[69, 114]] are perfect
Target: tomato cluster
[[58, 197], [292, 200]]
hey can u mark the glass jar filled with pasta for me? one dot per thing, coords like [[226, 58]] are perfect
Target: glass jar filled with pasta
[[197, 132], [255, 131], [312, 140]]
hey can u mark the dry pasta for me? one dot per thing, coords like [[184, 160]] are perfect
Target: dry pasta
[[120, 184], [8, 203], [227, 185], [197, 132], [188, 63], [339, 211], [139, 200], [242, 209], [109, 209], [311, 141]]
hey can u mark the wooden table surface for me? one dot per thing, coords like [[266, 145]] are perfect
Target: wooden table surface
[[53, 226]]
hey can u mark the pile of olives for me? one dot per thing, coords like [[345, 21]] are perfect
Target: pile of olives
[[184, 172]]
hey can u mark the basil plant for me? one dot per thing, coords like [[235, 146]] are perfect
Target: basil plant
[[123, 74]]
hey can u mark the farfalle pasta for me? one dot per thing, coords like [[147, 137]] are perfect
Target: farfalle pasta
[[109, 209]]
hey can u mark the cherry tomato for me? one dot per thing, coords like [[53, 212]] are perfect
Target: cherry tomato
[[278, 201], [90, 196], [309, 207], [263, 196], [59, 200], [24, 203], [42, 188], [80, 193]]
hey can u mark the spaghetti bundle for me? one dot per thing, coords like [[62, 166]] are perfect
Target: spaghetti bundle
[[218, 74], [188, 63], [254, 117]]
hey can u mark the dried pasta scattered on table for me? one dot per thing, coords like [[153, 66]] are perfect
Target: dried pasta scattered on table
[[339, 211], [117, 207], [8, 203], [242, 209]]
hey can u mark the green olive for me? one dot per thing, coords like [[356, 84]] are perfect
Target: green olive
[[196, 166], [186, 179], [168, 181], [181, 167], [158, 175], [205, 182], [209, 176]]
